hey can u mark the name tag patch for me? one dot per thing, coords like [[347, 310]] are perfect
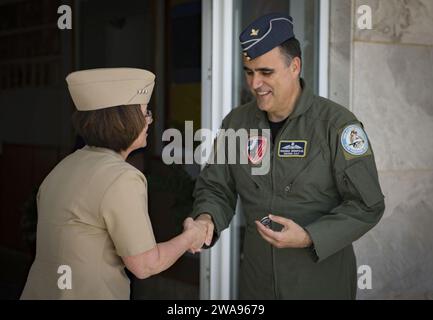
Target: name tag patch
[[292, 148]]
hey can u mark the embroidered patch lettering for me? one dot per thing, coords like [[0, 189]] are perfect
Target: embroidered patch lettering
[[292, 149]]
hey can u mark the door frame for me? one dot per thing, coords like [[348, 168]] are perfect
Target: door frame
[[218, 265]]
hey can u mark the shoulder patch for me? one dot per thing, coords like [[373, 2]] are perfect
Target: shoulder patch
[[354, 141]]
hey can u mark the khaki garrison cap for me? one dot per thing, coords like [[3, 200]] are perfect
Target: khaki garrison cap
[[103, 88]]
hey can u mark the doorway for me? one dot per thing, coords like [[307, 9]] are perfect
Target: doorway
[[165, 38], [223, 21]]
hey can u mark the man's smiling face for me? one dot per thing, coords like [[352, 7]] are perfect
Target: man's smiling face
[[272, 80]]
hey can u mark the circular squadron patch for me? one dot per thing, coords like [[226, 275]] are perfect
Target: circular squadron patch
[[354, 140]]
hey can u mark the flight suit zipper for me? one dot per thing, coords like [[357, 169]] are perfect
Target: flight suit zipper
[[271, 207], [274, 156], [288, 188]]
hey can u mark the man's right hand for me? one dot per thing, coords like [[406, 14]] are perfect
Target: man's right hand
[[205, 219], [197, 234]]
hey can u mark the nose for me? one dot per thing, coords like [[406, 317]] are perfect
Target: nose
[[256, 81], [148, 117]]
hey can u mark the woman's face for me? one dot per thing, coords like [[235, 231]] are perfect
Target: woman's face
[[141, 141]]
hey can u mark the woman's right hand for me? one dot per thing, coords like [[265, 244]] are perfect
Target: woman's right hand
[[197, 233]]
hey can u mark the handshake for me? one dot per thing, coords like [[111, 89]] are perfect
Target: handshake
[[198, 231]]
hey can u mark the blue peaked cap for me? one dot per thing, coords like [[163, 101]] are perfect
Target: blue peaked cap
[[266, 33]]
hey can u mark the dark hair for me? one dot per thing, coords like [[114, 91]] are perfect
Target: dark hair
[[291, 48], [115, 128]]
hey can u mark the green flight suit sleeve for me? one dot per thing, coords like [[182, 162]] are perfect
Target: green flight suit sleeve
[[362, 203], [215, 194]]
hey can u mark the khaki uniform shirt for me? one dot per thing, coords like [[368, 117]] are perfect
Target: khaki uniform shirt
[[322, 176], [92, 210]]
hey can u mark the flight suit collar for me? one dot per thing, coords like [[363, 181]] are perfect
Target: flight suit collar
[[262, 118], [303, 103], [103, 150]]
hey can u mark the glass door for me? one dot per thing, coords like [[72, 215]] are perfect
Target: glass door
[[222, 22]]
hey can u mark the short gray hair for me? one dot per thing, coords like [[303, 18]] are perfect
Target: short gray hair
[[290, 49]]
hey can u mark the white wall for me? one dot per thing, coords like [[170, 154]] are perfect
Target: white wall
[[386, 76]]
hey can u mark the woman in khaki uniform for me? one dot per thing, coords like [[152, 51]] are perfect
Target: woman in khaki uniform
[[92, 208]]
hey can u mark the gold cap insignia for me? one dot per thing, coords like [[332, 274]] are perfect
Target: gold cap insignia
[[254, 32]]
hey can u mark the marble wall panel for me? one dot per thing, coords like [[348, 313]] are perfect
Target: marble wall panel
[[399, 249], [393, 97], [397, 21]]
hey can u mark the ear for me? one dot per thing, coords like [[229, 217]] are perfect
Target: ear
[[296, 65]]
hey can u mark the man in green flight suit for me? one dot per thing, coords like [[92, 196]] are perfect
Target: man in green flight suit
[[321, 193]]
